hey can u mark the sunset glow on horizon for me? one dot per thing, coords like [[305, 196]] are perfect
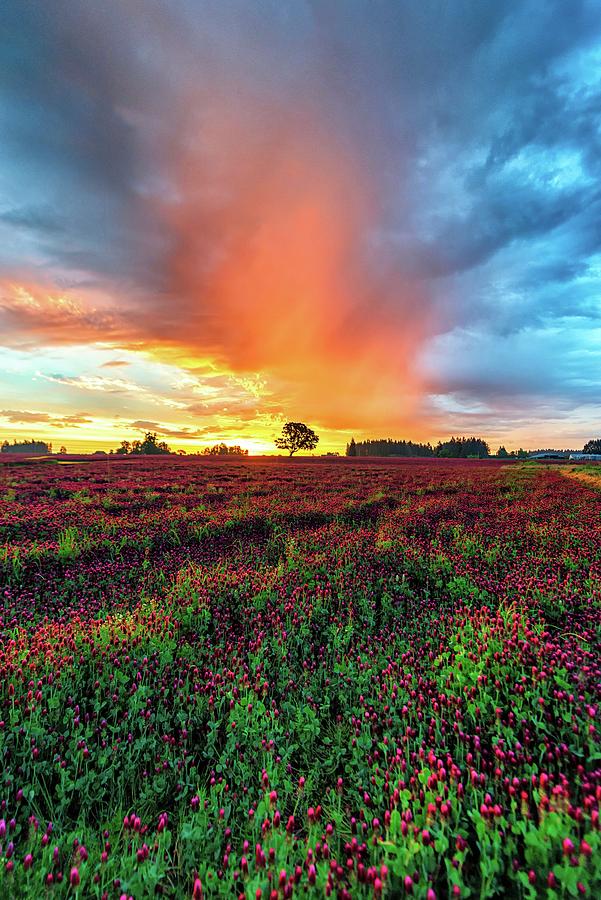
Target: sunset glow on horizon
[[381, 220]]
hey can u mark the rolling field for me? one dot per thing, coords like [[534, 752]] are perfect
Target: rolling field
[[274, 679]]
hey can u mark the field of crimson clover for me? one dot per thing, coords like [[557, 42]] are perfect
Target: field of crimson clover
[[274, 679]]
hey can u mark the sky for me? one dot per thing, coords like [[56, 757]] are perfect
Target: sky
[[379, 218]]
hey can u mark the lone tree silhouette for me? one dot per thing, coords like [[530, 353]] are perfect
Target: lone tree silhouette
[[296, 436]]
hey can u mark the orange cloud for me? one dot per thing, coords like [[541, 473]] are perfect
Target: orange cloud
[[273, 269], [34, 313], [270, 271]]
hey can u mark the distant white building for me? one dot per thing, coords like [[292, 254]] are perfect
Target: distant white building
[[585, 457]]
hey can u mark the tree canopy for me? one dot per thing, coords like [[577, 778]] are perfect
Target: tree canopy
[[592, 446], [296, 436], [453, 448], [224, 450], [150, 445], [462, 448], [387, 447], [26, 446]]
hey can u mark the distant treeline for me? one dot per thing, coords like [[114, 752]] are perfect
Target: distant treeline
[[388, 447], [454, 448], [224, 450], [31, 446], [150, 445], [462, 448], [153, 447], [592, 446]]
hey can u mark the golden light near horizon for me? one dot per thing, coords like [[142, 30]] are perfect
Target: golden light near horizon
[[291, 227]]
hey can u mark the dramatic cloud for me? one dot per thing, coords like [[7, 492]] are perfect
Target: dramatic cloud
[[33, 314], [23, 417], [95, 383], [164, 431], [375, 217]]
